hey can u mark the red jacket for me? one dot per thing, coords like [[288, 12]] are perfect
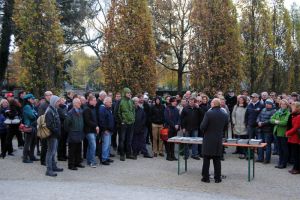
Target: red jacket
[[292, 133]]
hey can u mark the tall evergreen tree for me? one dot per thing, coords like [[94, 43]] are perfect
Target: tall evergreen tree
[[130, 47], [39, 39], [217, 63], [6, 32], [257, 43]]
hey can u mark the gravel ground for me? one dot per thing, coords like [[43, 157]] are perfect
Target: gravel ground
[[145, 179]]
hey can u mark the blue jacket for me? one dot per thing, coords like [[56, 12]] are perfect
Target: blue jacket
[[106, 119], [172, 117], [252, 113], [265, 118], [2, 119], [29, 115]]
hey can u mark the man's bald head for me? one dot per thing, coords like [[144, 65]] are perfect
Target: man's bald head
[[216, 102]]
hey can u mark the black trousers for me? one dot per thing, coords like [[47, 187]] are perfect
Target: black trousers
[[28, 151], [114, 136], [62, 145], [217, 167], [170, 146], [74, 154], [44, 148], [13, 130], [296, 154], [3, 140]]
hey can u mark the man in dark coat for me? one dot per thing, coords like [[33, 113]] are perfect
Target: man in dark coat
[[74, 125], [213, 125], [54, 125]]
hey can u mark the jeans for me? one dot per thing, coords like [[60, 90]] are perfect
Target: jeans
[[125, 139], [283, 150], [106, 141], [268, 138], [51, 151], [251, 131], [193, 133], [91, 148]]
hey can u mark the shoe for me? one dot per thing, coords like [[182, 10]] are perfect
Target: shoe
[[174, 158], [110, 160], [43, 163], [130, 157], [2, 155], [80, 166], [161, 155], [266, 162], [20, 147], [52, 174], [295, 172], [169, 159], [112, 155], [35, 159], [155, 155], [218, 180], [222, 158], [205, 180], [93, 165], [275, 153], [148, 156], [122, 158], [38, 153], [257, 160], [105, 162], [11, 154], [27, 161], [280, 166], [62, 159], [58, 170], [73, 168], [196, 157]]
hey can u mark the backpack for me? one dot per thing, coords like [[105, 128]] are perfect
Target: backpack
[[42, 130]]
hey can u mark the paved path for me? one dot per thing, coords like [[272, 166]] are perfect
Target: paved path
[[145, 179]]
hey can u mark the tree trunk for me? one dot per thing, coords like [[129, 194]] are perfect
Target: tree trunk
[[6, 37], [179, 83]]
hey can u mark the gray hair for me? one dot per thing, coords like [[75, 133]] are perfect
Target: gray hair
[[107, 99], [102, 93], [134, 99], [48, 93], [76, 100]]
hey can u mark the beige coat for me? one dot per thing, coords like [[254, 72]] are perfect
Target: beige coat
[[238, 120]]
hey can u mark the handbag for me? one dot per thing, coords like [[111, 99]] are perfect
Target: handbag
[[164, 134], [42, 130], [25, 129]]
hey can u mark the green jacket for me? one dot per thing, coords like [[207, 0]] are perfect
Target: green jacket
[[126, 110], [282, 116], [29, 115]]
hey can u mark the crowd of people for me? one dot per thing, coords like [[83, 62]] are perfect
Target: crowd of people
[[91, 127]]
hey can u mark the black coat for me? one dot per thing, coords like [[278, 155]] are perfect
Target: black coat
[[213, 125], [191, 118], [90, 119], [53, 122], [157, 114], [140, 120]]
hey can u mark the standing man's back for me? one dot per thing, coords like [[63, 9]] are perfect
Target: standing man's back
[[213, 126]]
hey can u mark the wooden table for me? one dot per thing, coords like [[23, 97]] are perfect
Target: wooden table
[[248, 146]]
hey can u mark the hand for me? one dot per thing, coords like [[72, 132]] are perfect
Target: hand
[[277, 121], [259, 124], [97, 130], [176, 127], [183, 130]]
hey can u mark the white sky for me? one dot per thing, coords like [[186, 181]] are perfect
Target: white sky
[[288, 3]]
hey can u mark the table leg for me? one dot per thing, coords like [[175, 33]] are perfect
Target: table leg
[[185, 158], [253, 163], [249, 164], [178, 159]]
